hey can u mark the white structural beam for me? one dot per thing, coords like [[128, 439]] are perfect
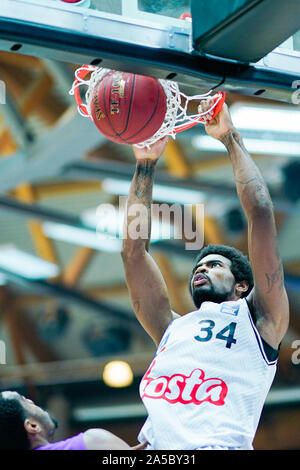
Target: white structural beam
[[154, 31], [67, 142]]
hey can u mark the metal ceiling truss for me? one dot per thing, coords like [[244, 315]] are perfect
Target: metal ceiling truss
[[34, 211], [73, 295], [98, 170]]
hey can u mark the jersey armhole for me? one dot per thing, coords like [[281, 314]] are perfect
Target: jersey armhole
[[271, 353]]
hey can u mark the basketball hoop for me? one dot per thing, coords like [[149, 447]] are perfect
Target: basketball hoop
[[176, 118]]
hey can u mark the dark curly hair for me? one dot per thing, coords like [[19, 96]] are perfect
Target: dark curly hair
[[13, 435], [240, 265]]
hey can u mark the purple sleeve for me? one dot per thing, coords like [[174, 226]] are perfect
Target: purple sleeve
[[73, 443]]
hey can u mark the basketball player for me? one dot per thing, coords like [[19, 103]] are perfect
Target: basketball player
[[26, 426], [213, 368]]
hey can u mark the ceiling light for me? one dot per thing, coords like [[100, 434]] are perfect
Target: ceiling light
[[83, 237], [257, 146], [31, 267], [266, 118], [117, 374], [171, 194]]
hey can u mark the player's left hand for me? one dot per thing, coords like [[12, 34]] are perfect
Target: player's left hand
[[221, 124], [152, 153]]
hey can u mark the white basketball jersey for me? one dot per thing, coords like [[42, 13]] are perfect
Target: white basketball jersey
[[208, 381]]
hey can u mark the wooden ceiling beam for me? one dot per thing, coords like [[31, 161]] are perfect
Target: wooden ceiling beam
[[176, 161], [10, 317], [218, 161], [22, 331], [35, 94], [212, 232], [42, 351], [77, 266], [19, 60], [8, 145], [44, 245], [17, 81], [173, 284], [47, 190], [15, 334], [292, 267]]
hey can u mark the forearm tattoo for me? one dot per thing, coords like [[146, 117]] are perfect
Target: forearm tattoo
[[228, 139], [246, 167], [274, 278], [144, 180], [247, 181]]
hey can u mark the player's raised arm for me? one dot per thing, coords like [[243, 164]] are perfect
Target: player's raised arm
[[268, 298], [145, 282], [100, 439]]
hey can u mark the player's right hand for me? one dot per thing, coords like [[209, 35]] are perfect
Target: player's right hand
[[221, 124]]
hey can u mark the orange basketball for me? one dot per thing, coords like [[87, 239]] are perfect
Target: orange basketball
[[128, 108]]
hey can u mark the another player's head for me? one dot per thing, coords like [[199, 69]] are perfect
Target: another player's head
[[220, 273], [23, 425]]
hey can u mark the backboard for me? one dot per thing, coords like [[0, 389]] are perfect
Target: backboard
[[142, 36]]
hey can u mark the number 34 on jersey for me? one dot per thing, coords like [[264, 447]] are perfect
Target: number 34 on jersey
[[208, 332]]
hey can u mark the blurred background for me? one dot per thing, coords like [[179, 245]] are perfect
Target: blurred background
[[65, 314]]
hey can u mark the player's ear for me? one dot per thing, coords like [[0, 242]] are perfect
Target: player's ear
[[32, 426], [241, 287]]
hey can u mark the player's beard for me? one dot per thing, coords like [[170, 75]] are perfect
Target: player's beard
[[208, 293]]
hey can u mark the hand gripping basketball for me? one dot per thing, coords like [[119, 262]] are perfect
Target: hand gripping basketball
[[135, 109]]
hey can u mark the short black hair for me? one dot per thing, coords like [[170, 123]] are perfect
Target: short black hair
[[13, 435], [240, 265]]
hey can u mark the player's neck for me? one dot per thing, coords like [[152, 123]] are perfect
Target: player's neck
[[37, 441]]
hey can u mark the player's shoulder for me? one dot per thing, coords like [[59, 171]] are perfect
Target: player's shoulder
[[175, 316]]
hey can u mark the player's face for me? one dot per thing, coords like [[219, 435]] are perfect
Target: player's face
[[212, 280], [48, 423]]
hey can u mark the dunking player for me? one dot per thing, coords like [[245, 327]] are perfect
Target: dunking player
[[26, 426], [207, 384]]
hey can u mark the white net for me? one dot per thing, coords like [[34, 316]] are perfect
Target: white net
[[177, 103]]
